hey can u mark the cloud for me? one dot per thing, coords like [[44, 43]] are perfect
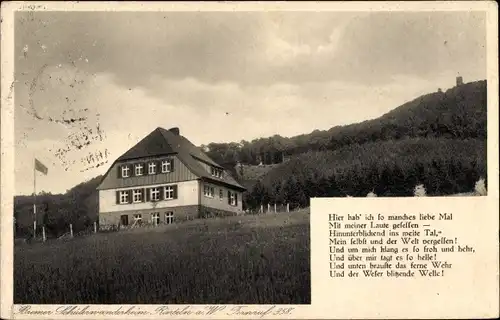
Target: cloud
[[219, 76], [256, 47]]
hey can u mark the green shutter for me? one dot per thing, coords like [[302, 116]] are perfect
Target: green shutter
[[172, 164], [175, 191], [117, 197], [143, 198], [119, 171], [146, 191], [228, 197], [130, 195], [236, 198], [132, 170]]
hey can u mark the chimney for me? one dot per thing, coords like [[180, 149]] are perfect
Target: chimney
[[174, 130]]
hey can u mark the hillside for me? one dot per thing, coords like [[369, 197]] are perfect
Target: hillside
[[387, 168], [458, 113], [438, 140], [79, 206]]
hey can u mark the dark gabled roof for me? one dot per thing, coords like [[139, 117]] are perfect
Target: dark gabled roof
[[154, 144], [164, 142]]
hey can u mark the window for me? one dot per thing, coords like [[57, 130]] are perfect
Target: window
[[169, 192], [139, 169], [137, 218], [166, 166], [221, 194], [154, 194], [169, 217], [155, 218], [208, 191], [216, 172], [137, 195], [233, 198], [123, 197], [125, 171], [152, 168]]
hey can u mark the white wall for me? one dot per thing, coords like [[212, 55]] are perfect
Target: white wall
[[187, 194], [215, 202]]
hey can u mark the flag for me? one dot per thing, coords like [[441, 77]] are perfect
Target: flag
[[40, 167]]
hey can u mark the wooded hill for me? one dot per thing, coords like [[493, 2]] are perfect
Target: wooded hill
[[78, 206], [386, 168], [438, 139], [458, 113]]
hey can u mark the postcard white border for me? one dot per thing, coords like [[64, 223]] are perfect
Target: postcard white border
[[7, 123]]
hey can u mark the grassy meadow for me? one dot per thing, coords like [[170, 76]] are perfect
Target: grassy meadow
[[261, 259]]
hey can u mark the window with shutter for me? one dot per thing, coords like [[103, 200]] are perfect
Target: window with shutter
[[152, 167], [154, 194], [124, 171], [139, 169], [137, 195], [168, 192], [166, 165], [124, 197]]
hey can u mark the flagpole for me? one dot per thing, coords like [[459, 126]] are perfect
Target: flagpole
[[34, 198]]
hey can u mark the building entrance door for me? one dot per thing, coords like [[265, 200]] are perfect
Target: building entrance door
[[124, 220]]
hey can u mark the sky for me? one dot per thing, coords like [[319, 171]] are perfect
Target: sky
[[89, 85]]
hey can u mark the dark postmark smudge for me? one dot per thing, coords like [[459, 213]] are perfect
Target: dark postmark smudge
[[84, 127], [95, 160]]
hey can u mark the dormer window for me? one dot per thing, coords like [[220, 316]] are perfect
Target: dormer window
[[166, 166], [216, 172], [125, 171], [152, 168], [139, 169]]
